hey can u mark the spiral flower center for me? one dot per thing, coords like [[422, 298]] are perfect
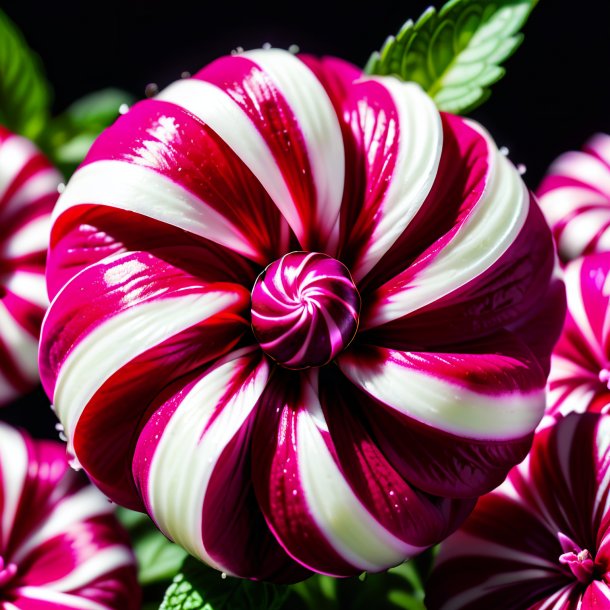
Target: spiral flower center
[[7, 572], [305, 309]]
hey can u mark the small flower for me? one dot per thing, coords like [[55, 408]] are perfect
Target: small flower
[[579, 380], [28, 192], [300, 317], [575, 198], [60, 545], [541, 540]]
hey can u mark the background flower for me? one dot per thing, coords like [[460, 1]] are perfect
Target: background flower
[[541, 539], [28, 191], [60, 545], [168, 401], [575, 198], [580, 364]]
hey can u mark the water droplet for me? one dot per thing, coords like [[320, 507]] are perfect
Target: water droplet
[[521, 169], [61, 187], [504, 151], [151, 89], [266, 46], [185, 74], [391, 492], [237, 50], [223, 575], [123, 108], [294, 48]]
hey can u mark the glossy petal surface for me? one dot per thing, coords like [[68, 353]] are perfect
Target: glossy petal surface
[[540, 540], [28, 191], [59, 534], [575, 198]]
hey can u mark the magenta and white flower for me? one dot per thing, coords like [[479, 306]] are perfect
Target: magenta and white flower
[[542, 539], [579, 380], [61, 547], [28, 191], [575, 198], [300, 317]]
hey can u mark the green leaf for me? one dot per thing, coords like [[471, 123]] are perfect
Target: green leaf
[[158, 558], [25, 95], [198, 587], [455, 53], [400, 588], [68, 137]]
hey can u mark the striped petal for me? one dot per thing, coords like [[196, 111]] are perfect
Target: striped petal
[[28, 191], [275, 115], [575, 198], [145, 323], [192, 466], [60, 533], [485, 231], [511, 552], [305, 497], [468, 416], [580, 363], [398, 136]]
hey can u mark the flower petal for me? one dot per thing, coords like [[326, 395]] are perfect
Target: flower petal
[[486, 232], [62, 534], [398, 135], [575, 198], [507, 553], [270, 109], [145, 323], [451, 423], [192, 467], [303, 491]]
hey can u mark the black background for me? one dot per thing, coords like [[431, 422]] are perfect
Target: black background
[[555, 95]]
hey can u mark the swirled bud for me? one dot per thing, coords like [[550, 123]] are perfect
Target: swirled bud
[[304, 309]]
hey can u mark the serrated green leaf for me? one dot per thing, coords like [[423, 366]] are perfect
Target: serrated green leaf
[[158, 558], [198, 587], [455, 53], [25, 94], [68, 137]]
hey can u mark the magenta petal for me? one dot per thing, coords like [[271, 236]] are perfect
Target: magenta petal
[[575, 198], [60, 533], [541, 536], [215, 510], [28, 192]]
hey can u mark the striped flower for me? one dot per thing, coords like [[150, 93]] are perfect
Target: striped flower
[[28, 191], [542, 539], [575, 198], [299, 316], [60, 545], [580, 365]]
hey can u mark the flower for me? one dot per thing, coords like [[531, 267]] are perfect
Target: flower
[[575, 198], [541, 539], [580, 365], [300, 317], [28, 191], [60, 544]]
